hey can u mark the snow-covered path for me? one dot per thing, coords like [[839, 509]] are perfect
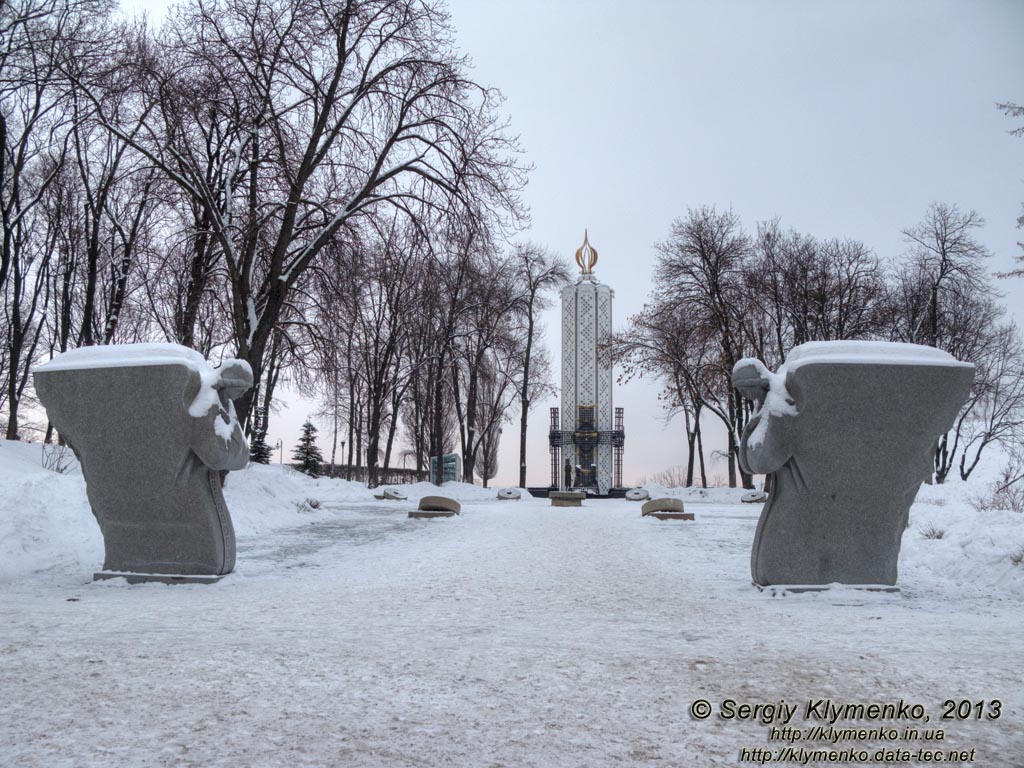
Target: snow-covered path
[[514, 635]]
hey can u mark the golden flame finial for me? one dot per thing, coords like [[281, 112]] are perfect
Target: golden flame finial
[[586, 255]]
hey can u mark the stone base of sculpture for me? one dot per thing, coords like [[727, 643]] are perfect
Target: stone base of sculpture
[[781, 590], [159, 578], [847, 432], [567, 498]]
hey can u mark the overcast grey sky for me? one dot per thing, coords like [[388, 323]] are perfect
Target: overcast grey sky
[[845, 119]]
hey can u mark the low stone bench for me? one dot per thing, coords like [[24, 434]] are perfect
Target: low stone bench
[[509, 494], [567, 498], [754, 497], [390, 494], [436, 506], [637, 494], [665, 509]]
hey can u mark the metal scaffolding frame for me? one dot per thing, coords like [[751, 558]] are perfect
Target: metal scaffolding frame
[[586, 439], [556, 450], [617, 450]]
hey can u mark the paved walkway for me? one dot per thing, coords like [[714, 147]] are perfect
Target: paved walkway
[[514, 635]]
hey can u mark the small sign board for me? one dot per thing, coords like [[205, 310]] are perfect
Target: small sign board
[[451, 468]]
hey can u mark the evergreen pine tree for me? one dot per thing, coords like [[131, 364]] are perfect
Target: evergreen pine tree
[[307, 454], [259, 451]]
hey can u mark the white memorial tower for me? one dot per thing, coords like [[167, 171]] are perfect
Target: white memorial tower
[[587, 437]]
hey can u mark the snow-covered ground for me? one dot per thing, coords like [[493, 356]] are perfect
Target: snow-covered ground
[[513, 635]]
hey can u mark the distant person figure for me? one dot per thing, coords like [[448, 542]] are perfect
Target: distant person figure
[[567, 474]]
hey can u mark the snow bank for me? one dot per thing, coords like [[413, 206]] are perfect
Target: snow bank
[[46, 521], [267, 497], [453, 490], [45, 518], [948, 537], [709, 495]]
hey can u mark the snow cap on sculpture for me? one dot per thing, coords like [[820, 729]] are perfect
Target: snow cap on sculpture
[[154, 428]]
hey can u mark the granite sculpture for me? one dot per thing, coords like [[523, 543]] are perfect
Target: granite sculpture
[[847, 429], [154, 428]]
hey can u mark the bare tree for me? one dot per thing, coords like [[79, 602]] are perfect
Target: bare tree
[[1015, 111], [677, 349], [801, 289], [497, 394], [942, 298], [329, 111], [365, 294], [37, 37], [488, 322], [538, 272], [995, 413], [945, 247], [700, 271], [443, 275]]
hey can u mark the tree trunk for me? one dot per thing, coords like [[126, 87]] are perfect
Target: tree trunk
[[691, 438], [373, 444], [471, 447], [396, 401], [359, 438], [700, 453], [942, 462], [524, 399], [334, 441], [185, 320], [351, 426], [436, 438], [12, 414], [732, 438]]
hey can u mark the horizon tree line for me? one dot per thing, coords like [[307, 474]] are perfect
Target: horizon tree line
[[321, 189]]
